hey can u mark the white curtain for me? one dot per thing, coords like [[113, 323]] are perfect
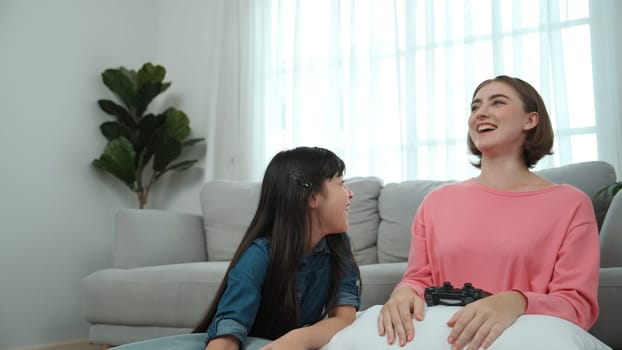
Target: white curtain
[[234, 121], [387, 84]]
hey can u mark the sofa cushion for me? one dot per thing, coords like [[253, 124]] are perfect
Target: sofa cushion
[[363, 218], [174, 295], [228, 208], [397, 205]]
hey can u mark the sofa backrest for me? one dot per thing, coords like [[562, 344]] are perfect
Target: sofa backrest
[[380, 216], [590, 177], [397, 205], [364, 218], [398, 202], [228, 208]]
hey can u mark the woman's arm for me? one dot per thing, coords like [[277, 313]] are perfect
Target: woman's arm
[[418, 274], [573, 290], [317, 335], [395, 317]]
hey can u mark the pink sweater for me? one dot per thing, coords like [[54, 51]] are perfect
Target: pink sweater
[[541, 243]]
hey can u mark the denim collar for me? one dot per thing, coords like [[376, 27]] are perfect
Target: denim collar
[[321, 247]]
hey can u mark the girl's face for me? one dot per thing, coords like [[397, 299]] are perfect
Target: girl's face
[[498, 123], [332, 204]]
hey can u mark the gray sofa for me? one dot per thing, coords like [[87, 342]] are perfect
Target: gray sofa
[[168, 265]]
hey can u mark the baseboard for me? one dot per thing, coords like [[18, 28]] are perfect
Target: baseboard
[[54, 345]]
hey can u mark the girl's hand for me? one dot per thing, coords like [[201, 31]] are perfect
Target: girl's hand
[[290, 340], [482, 322], [317, 335], [227, 342], [396, 314]]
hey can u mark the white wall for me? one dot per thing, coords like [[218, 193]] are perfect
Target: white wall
[[56, 210], [186, 31]]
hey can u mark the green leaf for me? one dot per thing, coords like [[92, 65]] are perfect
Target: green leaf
[[114, 130], [122, 114], [120, 81], [183, 165], [146, 93], [151, 121], [150, 73], [149, 132], [118, 159], [180, 166], [166, 151], [191, 142], [612, 189], [600, 192], [177, 124], [149, 85]]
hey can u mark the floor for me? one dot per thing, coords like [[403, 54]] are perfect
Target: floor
[[75, 346]]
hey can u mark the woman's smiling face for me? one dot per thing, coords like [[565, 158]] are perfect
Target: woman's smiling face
[[498, 121]]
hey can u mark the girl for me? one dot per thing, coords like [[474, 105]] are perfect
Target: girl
[[532, 243], [293, 278]]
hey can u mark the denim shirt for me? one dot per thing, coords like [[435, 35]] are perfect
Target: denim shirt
[[239, 304]]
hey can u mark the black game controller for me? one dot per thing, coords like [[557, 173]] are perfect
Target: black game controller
[[448, 295]]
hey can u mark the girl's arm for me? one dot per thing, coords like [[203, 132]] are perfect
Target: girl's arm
[[227, 342], [317, 335], [238, 305]]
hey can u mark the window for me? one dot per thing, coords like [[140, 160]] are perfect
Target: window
[[387, 84]]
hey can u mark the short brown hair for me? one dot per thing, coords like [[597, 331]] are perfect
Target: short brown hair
[[539, 140]]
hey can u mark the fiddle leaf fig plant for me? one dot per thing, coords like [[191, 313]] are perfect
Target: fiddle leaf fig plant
[[141, 146], [612, 189]]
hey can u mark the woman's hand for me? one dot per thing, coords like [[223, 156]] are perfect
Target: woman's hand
[[395, 317], [482, 322]]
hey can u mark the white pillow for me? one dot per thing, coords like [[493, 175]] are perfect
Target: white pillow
[[534, 332]]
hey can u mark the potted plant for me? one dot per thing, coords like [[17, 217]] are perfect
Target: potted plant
[[612, 189], [141, 146]]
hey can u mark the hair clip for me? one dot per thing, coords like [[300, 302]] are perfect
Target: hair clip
[[301, 180]]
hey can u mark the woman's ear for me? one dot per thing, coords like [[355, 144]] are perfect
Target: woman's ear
[[532, 121]]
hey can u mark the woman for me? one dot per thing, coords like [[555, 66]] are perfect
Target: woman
[[532, 243]]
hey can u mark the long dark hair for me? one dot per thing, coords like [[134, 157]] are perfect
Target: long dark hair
[[289, 180]]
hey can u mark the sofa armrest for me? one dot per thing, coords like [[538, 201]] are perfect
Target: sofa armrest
[[611, 235], [157, 237], [607, 326], [378, 282]]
